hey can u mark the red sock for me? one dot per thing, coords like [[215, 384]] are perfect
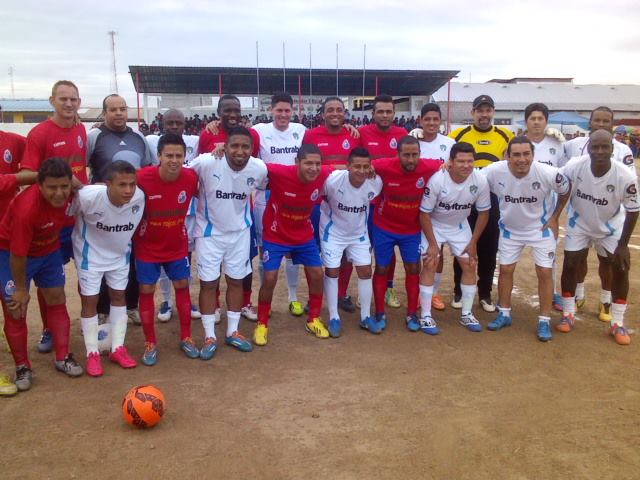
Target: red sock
[[43, 309], [391, 271], [183, 302], [621, 301], [412, 284], [343, 279], [147, 311], [315, 305], [16, 333], [263, 312], [246, 297], [59, 324], [379, 289]]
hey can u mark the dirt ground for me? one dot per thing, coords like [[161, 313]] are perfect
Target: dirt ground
[[401, 405]]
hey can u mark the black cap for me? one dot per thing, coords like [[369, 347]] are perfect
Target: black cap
[[483, 100]]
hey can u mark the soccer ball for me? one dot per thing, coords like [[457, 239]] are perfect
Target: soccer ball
[[104, 338], [143, 406]]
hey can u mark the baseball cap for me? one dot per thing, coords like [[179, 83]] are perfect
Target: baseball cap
[[621, 130], [482, 100]]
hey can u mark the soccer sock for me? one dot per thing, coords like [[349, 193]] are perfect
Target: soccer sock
[[617, 312], [580, 290], [542, 318], [554, 276], [43, 309], [412, 284], [118, 321], [331, 293], [59, 323], [246, 297], [568, 304], [263, 312], [505, 311], [391, 271], [165, 287], [344, 277], [233, 321], [16, 333], [209, 325], [468, 294], [315, 305], [426, 292], [365, 292], [291, 271], [183, 302], [90, 333], [436, 283], [147, 309], [379, 289], [605, 296]]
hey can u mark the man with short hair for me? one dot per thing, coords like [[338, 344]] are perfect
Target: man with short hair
[[107, 218], [30, 249], [523, 188], [601, 188]]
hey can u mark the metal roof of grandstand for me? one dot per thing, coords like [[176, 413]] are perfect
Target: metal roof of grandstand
[[243, 81], [25, 105], [557, 96]]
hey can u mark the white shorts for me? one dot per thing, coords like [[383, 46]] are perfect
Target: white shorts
[[457, 238], [190, 225], [578, 240], [258, 213], [230, 248], [90, 280], [358, 253], [544, 250]]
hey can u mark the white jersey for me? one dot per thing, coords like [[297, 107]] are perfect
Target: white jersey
[[524, 202], [449, 203], [437, 149], [549, 150], [578, 147], [224, 194], [190, 140], [102, 234], [345, 208], [596, 202]]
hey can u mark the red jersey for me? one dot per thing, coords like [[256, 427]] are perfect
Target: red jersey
[[48, 140], [287, 217], [335, 148], [399, 208], [31, 227], [162, 236], [380, 143], [209, 141], [11, 148]]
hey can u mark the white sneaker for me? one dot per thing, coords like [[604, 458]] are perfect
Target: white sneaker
[[249, 312], [487, 305], [195, 312], [165, 312], [134, 316], [217, 314], [456, 302], [470, 322]]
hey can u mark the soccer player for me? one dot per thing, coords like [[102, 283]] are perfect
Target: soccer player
[[343, 230], [30, 249], [444, 210], [601, 187], [107, 218], [381, 138], [523, 188], [396, 222], [161, 240], [61, 136], [295, 190], [222, 233], [280, 141]]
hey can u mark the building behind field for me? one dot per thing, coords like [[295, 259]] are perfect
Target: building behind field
[[24, 110]]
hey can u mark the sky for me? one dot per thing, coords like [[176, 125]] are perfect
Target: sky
[[593, 42]]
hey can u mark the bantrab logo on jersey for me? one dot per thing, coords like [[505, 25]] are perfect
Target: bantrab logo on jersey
[[251, 181], [8, 158], [420, 183], [473, 189], [314, 195], [346, 145], [610, 188], [535, 185], [393, 144], [80, 142], [182, 197]]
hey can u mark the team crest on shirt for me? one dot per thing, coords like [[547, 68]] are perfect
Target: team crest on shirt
[[8, 158], [628, 160], [443, 148], [427, 191], [535, 185], [552, 151], [10, 288], [393, 144], [370, 195], [295, 135], [473, 189], [80, 142], [182, 197], [420, 183], [631, 189], [559, 179], [314, 195], [610, 188], [189, 150], [265, 256], [135, 209], [551, 255], [251, 181], [346, 145]]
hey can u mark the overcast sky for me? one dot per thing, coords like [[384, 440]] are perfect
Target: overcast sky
[[593, 42]]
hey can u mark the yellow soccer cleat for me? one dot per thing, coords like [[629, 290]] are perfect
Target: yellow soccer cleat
[[7, 387], [580, 302], [391, 299], [605, 312], [317, 328], [296, 308], [260, 334]]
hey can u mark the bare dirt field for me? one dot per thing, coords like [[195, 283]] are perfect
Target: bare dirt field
[[401, 405]]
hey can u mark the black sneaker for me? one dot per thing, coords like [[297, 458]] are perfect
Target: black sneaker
[[346, 304], [24, 377], [69, 366]]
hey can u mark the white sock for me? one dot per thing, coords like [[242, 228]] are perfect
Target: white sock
[[605, 296], [554, 276], [436, 282], [426, 293], [118, 320], [165, 287], [617, 313], [331, 294], [365, 293], [90, 333], [209, 324], [579, 290], [468, 294], [233, 321], [568, 305], [542, 318], [505, 311], [291, 271]]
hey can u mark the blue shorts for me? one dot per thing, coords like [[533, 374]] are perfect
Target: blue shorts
[[306, 254], [315, 221], [148, 273], [66, 245], [383, 243], [46, 271]]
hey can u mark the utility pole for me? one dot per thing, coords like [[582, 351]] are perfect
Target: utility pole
[[13, 91], [112, 34]]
